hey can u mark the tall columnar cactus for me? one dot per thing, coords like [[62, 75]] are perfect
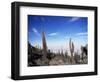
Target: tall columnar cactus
[[71, 46], [44, 45], [61, 51]]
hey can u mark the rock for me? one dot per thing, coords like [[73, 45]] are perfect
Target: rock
[[56, 61]]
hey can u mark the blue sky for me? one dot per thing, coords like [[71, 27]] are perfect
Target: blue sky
[[58, 30]]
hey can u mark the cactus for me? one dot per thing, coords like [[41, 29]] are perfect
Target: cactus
[[61, 51], [71, 46]]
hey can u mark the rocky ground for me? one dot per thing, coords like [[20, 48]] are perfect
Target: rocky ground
[[35, 58]]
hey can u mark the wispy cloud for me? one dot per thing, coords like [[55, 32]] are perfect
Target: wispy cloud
[[77, 34], [36, 31], [81, 34], [74, 19], [53, 34]]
